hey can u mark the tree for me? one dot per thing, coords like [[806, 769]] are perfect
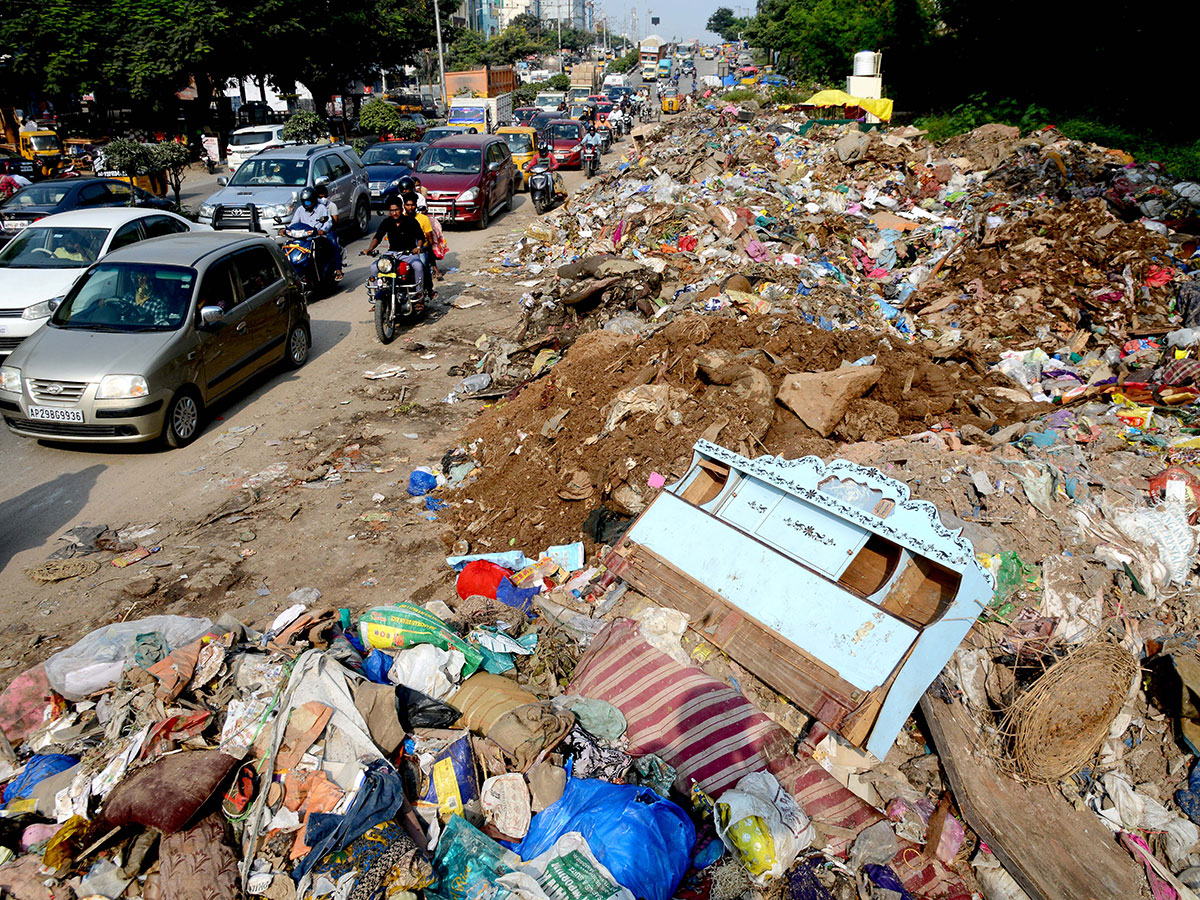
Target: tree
[[379, 117], [725, 23], [304, 127], [468, 51], [626, 63], [170, 158], [559, 82], [129, 157]]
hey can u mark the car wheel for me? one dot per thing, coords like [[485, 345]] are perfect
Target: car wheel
[[298, 345], [509, 205], [182, 422], [485, 213], [362, 216]]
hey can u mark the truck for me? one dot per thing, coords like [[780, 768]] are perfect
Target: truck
[[650, 51], [490, 81], [585, 80], [664, 68], [481, 114], [550, 100]]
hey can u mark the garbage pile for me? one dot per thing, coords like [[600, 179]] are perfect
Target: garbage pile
[[1008, 326]]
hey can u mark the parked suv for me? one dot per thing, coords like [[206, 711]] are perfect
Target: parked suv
[[468, 177], [246, 142], [151, 335], [264, 192]]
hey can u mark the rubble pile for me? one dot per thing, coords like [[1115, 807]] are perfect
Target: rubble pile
[[832, 534]]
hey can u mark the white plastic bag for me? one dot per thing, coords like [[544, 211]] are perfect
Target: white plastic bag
[[431, 670], [98, 659], [762, 825]]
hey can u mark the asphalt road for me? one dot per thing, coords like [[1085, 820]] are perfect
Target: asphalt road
[[47, 487]]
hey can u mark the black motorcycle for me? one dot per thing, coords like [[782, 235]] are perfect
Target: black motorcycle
[[541, 189], [397, 297], [591, 159]]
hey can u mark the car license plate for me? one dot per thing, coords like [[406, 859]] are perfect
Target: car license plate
[[387, 274], [50, 414], [3, 329], [438, 209]]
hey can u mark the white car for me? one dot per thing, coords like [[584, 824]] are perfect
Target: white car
[[245, 142], [39, 265]]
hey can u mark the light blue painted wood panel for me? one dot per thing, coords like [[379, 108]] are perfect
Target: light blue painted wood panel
[[818, 537], [752, 500], [861, 642]]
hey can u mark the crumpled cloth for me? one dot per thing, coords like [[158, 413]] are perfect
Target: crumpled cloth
[[593, 760], [598, 718], [199, 864], [384, 857], [529, 731]]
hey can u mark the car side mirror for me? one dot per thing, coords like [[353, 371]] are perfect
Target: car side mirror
[[223, 180], [321, 181], [493, 166], [211, 315]]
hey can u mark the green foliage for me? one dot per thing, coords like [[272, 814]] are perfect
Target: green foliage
[[171, 159], [129, 157], [379, 117], [726, 24], [784, 96], [740, 94], [626, 63], [360, 144], [559, 82], [406, 130], [467, 51], [1180, 158], [305, 127], [979, 110]]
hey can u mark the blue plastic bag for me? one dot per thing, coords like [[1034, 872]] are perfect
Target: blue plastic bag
[[421, 483], [644, 840], [37, 769], [377, 665]]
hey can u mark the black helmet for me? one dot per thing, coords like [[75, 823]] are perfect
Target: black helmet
[[591, 128], [544, 148], [406, 185], [308, 198]]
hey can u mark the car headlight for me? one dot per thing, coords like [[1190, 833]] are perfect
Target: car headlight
[[469, 195], [207, 210], [385, 264], [41, 310], [121, 387], [10, 379], [279, 210]]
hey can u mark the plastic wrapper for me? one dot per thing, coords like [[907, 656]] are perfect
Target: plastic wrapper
[[762, 825], [405, 625]]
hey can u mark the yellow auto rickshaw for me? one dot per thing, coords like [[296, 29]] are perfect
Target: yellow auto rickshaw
[[522, 143], [44, 148], [671, 102]]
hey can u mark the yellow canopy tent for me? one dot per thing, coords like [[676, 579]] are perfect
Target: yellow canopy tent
[[879, 108]]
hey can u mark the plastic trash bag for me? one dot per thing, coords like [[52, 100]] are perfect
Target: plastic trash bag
[[37, 769], [567, 871], [644, 840], [468, 862], [98, 659], [406, 625], [762, 825], [415, 710]]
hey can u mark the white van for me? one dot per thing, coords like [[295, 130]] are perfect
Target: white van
[[245, 142], [616, 81]]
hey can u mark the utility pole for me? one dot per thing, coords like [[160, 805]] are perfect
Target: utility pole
[[437, 21]]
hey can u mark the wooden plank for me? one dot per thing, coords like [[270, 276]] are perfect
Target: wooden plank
[[1052, 849]]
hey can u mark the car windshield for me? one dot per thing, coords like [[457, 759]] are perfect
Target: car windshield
[[451, 161], [128, 297], [285, 172], [38, 195], [391, 155], [524, 115], [53, 248], [518, 142], [563, 131], [44, 141], [467, 113], [437, 133], [244, 138]]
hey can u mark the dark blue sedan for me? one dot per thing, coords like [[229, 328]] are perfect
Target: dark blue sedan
[[386, 163], [61, 194]]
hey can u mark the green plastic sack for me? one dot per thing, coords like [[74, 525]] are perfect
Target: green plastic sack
[[467, 862], [405, 625]]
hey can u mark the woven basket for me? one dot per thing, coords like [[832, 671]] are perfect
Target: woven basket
[[1059, 723]]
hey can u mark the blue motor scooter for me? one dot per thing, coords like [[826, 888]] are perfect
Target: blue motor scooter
[[313, 256]]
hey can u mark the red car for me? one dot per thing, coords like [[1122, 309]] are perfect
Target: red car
[[468, 177], [566, 139]]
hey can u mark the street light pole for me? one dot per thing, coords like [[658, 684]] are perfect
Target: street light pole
[[437, 21]]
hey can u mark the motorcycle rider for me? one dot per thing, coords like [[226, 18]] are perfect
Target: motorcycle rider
[[404, 236], [408, 185], [323, 197], [315, 214], [545, 157], [591, 139]]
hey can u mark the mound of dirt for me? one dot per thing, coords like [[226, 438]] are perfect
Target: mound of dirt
[[617, 408]]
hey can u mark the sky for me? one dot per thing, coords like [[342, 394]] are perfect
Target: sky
[[682, 19]]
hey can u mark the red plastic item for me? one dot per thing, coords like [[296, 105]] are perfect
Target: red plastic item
[[480, 577]]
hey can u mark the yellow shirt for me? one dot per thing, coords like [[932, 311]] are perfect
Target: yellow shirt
[[426, 226]]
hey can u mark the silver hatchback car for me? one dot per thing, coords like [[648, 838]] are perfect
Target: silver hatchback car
[[153, 334]]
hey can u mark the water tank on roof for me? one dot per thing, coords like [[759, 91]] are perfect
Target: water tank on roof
[[866, 63]]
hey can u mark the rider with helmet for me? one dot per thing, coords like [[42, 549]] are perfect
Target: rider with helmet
[[592, 139], [408, 185], [313, 212], [545, 157]]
